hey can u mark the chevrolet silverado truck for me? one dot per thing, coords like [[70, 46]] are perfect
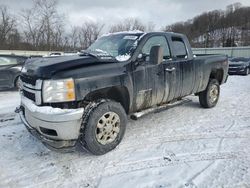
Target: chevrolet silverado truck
[[85, 100]]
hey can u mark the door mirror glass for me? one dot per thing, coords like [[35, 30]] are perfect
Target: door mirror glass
[[156, 55], [142, 57]]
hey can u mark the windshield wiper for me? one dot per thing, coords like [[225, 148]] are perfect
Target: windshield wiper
[[87, 53], [95, 54]]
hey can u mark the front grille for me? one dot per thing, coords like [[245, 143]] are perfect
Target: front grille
[[31, 88], [28, 79], [29, 95]]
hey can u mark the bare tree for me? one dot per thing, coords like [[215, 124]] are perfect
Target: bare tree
[[7, 25], [150, 27], [43, 26], [217, 28], [88, 33], [73, 37], [32, 28], [128, 24]]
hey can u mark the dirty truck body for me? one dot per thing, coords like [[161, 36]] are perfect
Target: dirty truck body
[[85, 99]]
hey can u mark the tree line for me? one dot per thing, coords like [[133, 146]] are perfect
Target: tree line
[[218, 28], [42, 27]]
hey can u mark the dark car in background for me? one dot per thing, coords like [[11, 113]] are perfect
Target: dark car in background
[[10, 68], [239, 66]]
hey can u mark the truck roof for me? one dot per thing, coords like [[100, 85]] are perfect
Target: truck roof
[[138, 32]]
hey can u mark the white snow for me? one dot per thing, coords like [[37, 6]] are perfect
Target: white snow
[[123, 57], [45, 109], [185, 146], [9, 100], [101, 51], [123, 32]]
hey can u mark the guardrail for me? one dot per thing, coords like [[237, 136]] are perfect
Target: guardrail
[[230, 51], [28, 53]]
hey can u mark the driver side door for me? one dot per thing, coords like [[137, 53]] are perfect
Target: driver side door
[[156, 72]]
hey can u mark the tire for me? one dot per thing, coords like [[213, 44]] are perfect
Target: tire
[[209, 97], [246, 72], [103, 126]]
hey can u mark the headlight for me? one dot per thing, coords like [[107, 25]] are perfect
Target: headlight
[[58, 90]]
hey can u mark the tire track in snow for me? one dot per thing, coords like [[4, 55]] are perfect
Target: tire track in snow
[[83, 160], [7, 120], [148, 142], [6, 117], [128, 167], [182, 137]]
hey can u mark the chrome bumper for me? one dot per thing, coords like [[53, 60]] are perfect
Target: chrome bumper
[[56, 127], [36, 90]]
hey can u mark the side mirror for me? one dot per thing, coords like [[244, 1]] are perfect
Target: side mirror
[[141, 57], [156, 55]]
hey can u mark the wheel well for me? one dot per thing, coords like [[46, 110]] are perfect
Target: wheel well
[[15, 80], [117, 93], [217, 74]]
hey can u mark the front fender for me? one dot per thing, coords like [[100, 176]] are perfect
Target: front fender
[[86, 85]]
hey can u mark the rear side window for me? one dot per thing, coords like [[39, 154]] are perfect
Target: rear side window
[[179, 47], [8, 61], [157, 41]]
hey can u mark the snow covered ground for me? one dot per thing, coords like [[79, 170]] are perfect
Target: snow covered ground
[[185, 146]]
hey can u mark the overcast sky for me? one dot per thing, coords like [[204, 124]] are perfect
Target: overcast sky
[[160, 12]]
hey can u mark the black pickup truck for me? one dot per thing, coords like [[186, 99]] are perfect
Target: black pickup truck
[[84, 100]]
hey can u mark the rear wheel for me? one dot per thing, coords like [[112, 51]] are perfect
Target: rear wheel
[[246, 71], [209, 97], [17, 83], [103, 126]]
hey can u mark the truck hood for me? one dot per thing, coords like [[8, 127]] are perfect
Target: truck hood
[[47, 67]]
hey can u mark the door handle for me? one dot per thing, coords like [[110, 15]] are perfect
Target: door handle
[[170, 70]]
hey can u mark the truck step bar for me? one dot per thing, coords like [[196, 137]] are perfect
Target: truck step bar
[[137, 115]]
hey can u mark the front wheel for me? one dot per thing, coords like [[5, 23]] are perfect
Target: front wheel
[[209, 97], [103, 126]]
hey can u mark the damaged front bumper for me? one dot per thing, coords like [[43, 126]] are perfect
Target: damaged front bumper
[[56, 128]]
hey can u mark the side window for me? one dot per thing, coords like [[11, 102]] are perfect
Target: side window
[[157, 41], [179, 47], [21, 60], [7, 61]]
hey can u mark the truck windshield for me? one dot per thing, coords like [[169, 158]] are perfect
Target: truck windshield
[[120, 46]]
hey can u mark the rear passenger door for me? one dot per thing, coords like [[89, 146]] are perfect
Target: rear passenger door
[[185, 73]]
